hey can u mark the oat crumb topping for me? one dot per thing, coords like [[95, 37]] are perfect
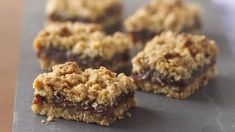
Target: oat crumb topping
[[85, 40], [92, 85], [175, 55], [91, 9], [160, 15]]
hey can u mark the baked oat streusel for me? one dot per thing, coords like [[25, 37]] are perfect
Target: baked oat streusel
[[106, 12], [162, 15], [87, 46], [175, 61], [93, 95]]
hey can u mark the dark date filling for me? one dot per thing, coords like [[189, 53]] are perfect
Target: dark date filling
[[145, 35], [99, 110], [142, 36], [113, 28], [61, 56], [155, 77]]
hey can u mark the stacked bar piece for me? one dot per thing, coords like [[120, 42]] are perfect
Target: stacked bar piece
[[92, 96], [85, 44], [162, 15], [175, 65], [108, 13]]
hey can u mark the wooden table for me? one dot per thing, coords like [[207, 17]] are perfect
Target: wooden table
[[10, 28]]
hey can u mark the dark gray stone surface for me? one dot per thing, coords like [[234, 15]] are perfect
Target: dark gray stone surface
[[211, 109]]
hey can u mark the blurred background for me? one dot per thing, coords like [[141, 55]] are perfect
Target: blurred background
[[226, 11], [11, 14]]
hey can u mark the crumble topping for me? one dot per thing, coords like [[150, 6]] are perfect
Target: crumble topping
[[175, 55], [84, 40], [99, 85], [160, 15], [91, 9]]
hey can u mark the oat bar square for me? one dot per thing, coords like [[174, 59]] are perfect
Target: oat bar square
[[92, 96], [175, 65], [162, 15], [108, 13], [83, 43]]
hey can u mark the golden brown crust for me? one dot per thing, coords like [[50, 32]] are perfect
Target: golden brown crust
[[161, 15], [73, 114], [91, 9], [175, 55], [99, 85], [83, 39]]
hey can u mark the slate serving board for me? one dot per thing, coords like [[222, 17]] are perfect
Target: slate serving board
[[212, 109]]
